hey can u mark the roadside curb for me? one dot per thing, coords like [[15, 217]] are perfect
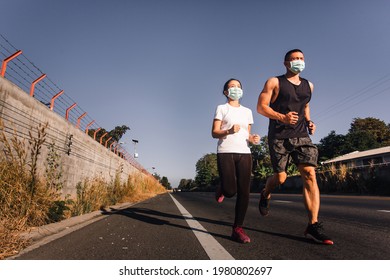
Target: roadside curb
[[38, 233]]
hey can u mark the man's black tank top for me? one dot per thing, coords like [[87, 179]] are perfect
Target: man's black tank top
[[290, 98]]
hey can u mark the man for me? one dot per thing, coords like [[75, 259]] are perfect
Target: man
[[285, 101]]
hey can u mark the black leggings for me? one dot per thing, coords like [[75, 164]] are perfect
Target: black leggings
[[235, 173]]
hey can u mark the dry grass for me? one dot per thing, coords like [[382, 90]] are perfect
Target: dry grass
[[140, 187], [96, 194], [28, 200], [350, 179], [24, 199]]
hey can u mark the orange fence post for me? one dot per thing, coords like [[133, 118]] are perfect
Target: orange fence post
[[107, 141], [112, 144], [34, 83], [101, 138], [8, 59], [68, 110], [96, 131], [54, 98], [79, 119], [88, 125]]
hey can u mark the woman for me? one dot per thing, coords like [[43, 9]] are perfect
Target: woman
[[232, 126]]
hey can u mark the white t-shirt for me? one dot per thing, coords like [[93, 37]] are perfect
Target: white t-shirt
[[229, 115]]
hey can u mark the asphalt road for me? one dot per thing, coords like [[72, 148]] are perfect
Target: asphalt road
[[192, 226]]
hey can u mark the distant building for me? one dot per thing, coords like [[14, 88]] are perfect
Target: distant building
[[364, 158]]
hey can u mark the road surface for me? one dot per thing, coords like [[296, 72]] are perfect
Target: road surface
[[192, 226]]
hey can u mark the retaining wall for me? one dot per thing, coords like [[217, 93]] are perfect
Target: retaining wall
[[80, 156]]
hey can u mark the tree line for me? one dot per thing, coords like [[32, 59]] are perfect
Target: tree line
[[363, 134]]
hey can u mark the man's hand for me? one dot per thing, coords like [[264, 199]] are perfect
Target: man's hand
[[311, 127], [290, 118]]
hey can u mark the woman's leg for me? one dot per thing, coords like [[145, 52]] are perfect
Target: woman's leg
[[227, 174], [243, 173]]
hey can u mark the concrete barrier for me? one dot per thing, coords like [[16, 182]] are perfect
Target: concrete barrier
[[79, 155]]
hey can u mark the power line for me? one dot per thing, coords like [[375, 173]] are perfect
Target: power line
[[354, 99]]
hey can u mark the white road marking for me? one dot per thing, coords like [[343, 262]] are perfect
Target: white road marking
[[386, 211], [282, 201], [213, 249]]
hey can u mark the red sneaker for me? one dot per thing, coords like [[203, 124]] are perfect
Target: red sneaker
[[316, 232], [239, 235], [218, 195]]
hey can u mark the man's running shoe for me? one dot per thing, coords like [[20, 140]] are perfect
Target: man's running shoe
[[218, 195], [316, 232], [264, 204], [239, 235]]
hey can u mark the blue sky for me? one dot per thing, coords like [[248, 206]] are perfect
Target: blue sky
[[159, 66]]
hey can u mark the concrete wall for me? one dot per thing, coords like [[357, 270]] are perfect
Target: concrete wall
[[22, 114]]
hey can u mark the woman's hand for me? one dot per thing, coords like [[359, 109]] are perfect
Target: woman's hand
[[234, 129], [254, 139]]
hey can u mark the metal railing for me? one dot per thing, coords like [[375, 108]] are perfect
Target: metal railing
[[18, 69]]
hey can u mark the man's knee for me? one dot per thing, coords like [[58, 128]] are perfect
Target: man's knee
[[278, 178], [307, 171]]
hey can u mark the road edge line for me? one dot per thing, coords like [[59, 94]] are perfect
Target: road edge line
[[212, 247]]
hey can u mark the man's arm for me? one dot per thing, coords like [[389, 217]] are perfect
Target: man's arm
[[310, 124], [307, 107], [265, 98]]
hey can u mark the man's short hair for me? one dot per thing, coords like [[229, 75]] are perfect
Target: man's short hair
[[287, 56]]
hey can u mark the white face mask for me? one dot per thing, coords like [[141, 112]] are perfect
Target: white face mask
[[235, 93], [297, 66]]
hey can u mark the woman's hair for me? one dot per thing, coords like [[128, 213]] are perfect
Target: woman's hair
[[225, 87]]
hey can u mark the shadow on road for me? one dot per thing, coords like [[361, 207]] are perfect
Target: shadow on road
[[157, 218]]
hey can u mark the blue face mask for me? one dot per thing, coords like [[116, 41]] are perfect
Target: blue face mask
[[297, 66], [235, 93]]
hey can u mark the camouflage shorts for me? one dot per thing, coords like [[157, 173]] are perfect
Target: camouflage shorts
[[300, 150]]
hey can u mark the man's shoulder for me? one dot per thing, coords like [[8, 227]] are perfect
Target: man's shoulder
[[304, 79], [308, 82], [276, 78], [273, 80]]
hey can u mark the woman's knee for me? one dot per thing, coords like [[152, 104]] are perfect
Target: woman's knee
[[229, 193]]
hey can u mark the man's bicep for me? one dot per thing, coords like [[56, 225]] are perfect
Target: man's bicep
[[268, 91]]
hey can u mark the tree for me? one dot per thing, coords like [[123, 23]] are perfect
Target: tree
[[262, 167], [115, 133], [331, 146], [377, 128], [360, 140], [207, 170], [118, 132], [186, 184], [364, 134], [164, 181]]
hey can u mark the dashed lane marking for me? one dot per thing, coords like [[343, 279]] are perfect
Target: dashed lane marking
[[282, 201], [213, 249], [385, 211]]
